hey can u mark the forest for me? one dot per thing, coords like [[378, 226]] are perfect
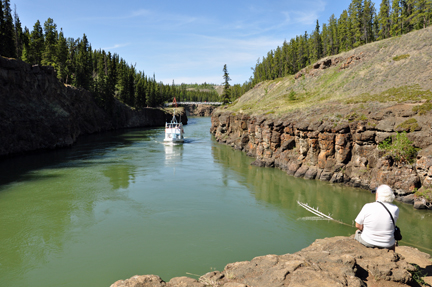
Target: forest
[[106, 75]]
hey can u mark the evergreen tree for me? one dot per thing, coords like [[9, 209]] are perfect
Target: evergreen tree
[[396, 23], [25, 44], [317, 43], [355, 23], [83, 65], [49, 53], [7, 31], [18, 35], [333, 36], [61, 57], [36, 44], [384, 20], [421, 14], [226, 91], [368, 19], [343, 32]]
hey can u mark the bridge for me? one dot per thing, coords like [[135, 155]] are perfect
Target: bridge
[[195, 103]]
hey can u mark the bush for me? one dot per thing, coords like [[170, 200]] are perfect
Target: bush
[[292, 96], [425, 193], [400, 148], [409, 125], [424, 108], [401, 57]]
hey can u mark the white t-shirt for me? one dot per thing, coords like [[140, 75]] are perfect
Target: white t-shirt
[[378, 227]]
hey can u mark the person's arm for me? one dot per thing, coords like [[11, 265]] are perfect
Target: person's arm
[[359, 226]]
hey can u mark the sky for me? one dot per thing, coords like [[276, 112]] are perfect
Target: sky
[[187, 41]]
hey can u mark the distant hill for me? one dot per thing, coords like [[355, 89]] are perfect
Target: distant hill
[[398, 69]]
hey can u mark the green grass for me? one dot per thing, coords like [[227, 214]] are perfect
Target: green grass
[[425, 193], [401, 57], [408, 125], [424, 108], [400, 94]]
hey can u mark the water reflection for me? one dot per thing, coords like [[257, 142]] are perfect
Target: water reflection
[[120, 175], [275, 187], [43, 206], [173, 152]]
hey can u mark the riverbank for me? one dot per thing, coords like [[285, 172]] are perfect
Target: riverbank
[[37, 112], [346, 149], [336, 261]]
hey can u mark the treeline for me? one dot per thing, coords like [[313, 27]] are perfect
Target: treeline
[[107, 75], [198, 93], [359, 25]]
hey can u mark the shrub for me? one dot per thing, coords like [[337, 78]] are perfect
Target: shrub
[[425, 193], [400, 148], [410, 125], [292, 96], [424, 108], [401, 57]]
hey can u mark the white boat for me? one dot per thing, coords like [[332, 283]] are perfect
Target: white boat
[[174, 131]]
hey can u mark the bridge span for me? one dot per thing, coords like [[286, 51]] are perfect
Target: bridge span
[[196, 103]]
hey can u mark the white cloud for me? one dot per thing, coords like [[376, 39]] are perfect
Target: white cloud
[[116, 46]]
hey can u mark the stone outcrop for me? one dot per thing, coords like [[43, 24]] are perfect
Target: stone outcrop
[[38, 112], [200, 110], [326, 63], [337, 261], [342, 149]]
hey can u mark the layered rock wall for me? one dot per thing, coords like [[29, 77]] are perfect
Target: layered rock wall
[[336, 151], [199, 110], [38, 112]]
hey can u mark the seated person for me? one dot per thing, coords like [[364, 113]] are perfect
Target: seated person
[[374, 224]]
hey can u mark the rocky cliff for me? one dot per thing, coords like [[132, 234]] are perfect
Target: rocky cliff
[[338, 261], [38, 112], [199, 110], [343, 149]]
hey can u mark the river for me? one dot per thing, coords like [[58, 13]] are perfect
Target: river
[[122, 203]]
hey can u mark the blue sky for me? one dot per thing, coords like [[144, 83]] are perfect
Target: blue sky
[[181, 40]]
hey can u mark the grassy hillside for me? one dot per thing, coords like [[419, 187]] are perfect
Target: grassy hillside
[[395, 70]]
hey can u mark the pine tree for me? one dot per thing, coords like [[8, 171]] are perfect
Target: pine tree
[[7, 31], [317, 43], [355, 22], [368, 19], [48, 55], [384, 20], [343, 29], [333, 39], [421, 14], [18, 34], [61, 57], [226, 91], [83, 65], [36, 45], [395, 28]]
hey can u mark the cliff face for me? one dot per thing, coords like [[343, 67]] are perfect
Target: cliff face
[[312, 146], [39, 112], [199, 110]]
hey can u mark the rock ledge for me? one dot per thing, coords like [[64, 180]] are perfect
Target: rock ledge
[[336, 261]]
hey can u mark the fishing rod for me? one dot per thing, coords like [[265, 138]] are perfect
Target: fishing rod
[[321, 216]]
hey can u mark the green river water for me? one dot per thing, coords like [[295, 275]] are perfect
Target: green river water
[[122, 203]]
